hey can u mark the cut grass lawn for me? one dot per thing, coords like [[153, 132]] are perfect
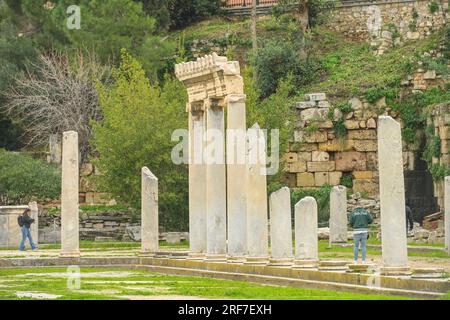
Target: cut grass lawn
[[114, 283]]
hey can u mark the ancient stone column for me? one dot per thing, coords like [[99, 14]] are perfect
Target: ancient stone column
[[338, 214], [392, 197], [34, 214], [280, 227], [447, 213], [306, 239], [257, 221], [216, 197], [69, 196], [197, 185], [236, 143], [209, 81], [149, 212]]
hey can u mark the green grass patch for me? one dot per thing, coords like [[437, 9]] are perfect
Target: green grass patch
[[143, 283]]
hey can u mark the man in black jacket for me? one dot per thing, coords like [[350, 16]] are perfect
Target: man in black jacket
[[25, 222]]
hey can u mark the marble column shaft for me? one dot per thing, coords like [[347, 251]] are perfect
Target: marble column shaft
[[280, 224], [149, 212], [197, 183], [257, 220], [447, 213], [215, 183], [338, 214], [306, 225], [70, 244], [236, 175], [392, 194]]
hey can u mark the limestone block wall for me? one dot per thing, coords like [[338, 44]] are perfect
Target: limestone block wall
[[89, 193], [440, 120], [365, 20], [318, 156], [92, 224]]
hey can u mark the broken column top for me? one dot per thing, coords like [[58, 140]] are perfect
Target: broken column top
[[146, 171], [209, 80], [206, 65]]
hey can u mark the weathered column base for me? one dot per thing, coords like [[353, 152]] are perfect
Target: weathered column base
[[196, 256], [305, 264], [395, 271], [70, 254], [358, 268], [216, 257], [236, 259], [164, 254], [147, 254], [333, 265], [256, 261], [428, 273], [281, 262]]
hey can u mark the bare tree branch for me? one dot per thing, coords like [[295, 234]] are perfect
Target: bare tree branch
[[57, 96]]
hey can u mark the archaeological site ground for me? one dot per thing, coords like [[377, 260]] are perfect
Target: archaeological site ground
[[224, 150]]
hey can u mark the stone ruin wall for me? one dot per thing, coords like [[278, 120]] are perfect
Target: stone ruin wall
[[440, 120], [317, 157], [366, 20]]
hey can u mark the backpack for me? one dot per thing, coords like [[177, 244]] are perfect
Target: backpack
[[20, 221]]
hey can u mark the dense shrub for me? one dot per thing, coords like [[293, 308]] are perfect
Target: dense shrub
[[23, 178], [322, 196], [276, 59]]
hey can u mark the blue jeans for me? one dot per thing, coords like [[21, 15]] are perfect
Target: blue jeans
[[26, 233], [357, 238]]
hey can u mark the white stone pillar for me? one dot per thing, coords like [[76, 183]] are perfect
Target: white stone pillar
[[197, 185], [392, 197], [70, 243], [257, 220], [281, 227], [306, 229], [338, 214], [149, 212], [215, 185], [236, 143], [447, 213], [34, 226]]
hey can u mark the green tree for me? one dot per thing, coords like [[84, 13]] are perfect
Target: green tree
[[276, 112], [138, 121], [278, 58]]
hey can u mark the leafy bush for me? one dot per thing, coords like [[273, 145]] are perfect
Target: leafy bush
[[412, 110], [322, 196], [23, 178], [347, 181], [433, 7], [138, 121], [276, 59], [339, 128]]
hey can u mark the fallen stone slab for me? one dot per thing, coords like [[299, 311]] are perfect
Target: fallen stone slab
[[37, 295]]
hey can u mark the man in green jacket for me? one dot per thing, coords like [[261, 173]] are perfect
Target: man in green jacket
[[359, 220]]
